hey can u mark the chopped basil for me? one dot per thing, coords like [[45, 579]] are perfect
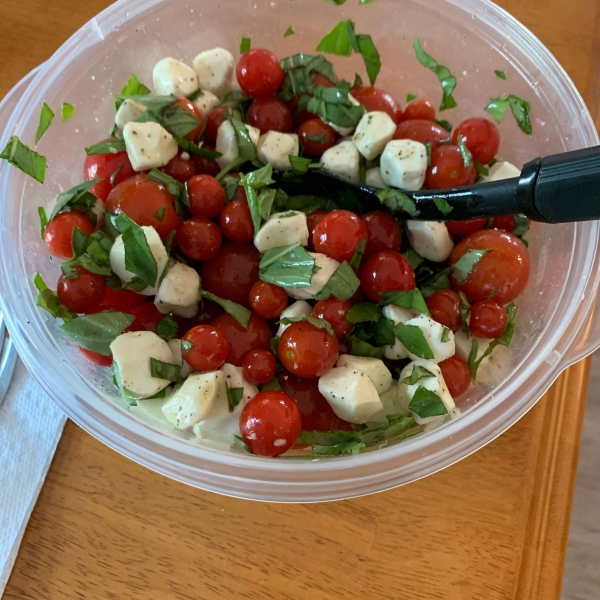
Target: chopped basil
[[396, 201], [246, 147], [299, 164], [500, 74], [339, 450], [405, 299], [521, 225], [165, 370], [251, 182], [77, 198], [265, 202], [362, 348], [335, 2], [438, 281], [67, 112], [167, 328], [463, 267], [287, 266], [46, 116], [178, 121], [410, 97], [358, 82], [160, 213], [186, 346], [417, 374], [245, 45], [230, 184], [175, 188], [366, 48], [195, 95], [235, 98], [155, 104], [334, 106], [300, 70], [445, 335], [446, 79], [273, 384], [443, 205], [92, 252], [337, 41], [426, 403], [358, 255], [465, 312], [289, 31], [237, 311], [195, 149], [481, 169], [464, 152], [133, 87], [25, 159], [520, 109], [318, 139], [363, 311], [238, 441], [414, 258], [108, 147], [98, 331], [43, 220], [444, 124], [413, 339], [234, 396], [314, 321], [139, 259], [48, 300], [341, 285], [497, 107], [113, 177], [428, 148], [378, 333]]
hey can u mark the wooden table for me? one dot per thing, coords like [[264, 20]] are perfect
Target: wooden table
[[491, 527]]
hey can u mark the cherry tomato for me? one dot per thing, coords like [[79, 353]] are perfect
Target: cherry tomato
[[420, 109], [448, 170], [207, 312], [236, 222], [143, 201], [386, 271], [270, 423], [465, 227], [214, 120], [205, 166], [338, 234], [199, 238], [306, 350], [384, 232], [488, 319], [259, 73], [180, 168], [373, 99], [506, 222], [209, 348], [312, 220], [83, 293], [96, 358], [103, 166], [444, 306], [207, 196], [480, 136], [259, 366], [422, 131], [334, 311], [317, 414], [268, 300], [147, 317], [256, 337], [59, 232], [315, 137], [189, 107], [270, 114], [456, 374], [122, 299], [503, 271]]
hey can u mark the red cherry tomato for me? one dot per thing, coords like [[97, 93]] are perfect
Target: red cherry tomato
[[268, 300], [180, 168], [96, 358], [488, 319], [421, 131], [189, 107], [312, 220], [373, 99], [317, 415], [503, 271], [338, 234], [205, 166], [270, 114], [207, 196], [59, 232], [199, 238], [420, 109], [104, 166], [448, 169], [259, 366], [506, 222], [206, 314], [465, 227], [214, 120], [306, 350], [236, 222], [256, 337], [147, 317], [259, 73], [384, 232], [480, 136], [122, 299], [270, 423], [315, 137], [82, 294], [303, 115], [386, 271], [456, 374], [143, 201], [334, 311], [209, 348], [444, 306]]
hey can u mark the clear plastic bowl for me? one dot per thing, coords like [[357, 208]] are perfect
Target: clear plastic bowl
[[557, 324]]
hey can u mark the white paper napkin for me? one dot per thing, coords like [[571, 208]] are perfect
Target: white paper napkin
[[30, 427]]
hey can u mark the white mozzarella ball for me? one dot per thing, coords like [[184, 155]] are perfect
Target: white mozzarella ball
[[227, 142], [430, 239], [128, 111], [433, 333], [343, 159], [404, 164], [175, 346], [275, 148], [179, 291], [171, 76], [393, 404], [148, 145], [373, 178], [326, 268], [372, 133], [493, 368], [282, 229], [300, 307], [373, 368], [501, 170], [215, 70]]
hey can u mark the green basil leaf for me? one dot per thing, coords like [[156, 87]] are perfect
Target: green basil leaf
[[139, 259], [363, 311], [186, 346], [67, 112], [273, 384], [446, 79], [327, 438], [160, 213], [287, 266], [77, 197], [472, 360], [370, 55], [379, 333], [396, 201], [358, 255], [246, 147], [341, 449], [335, 2], [158, 396], [445, 335], [165, 370], [265, 203], [464, 266], [172, 185], [154, 104], [334, 106], [234, 397], [428, 148], [318, 323], [426, 403], [358, 82], [98, 331], [521, 110], [238, 441], [113, 177], [464, 152], [481, 169], [133, 87], [465, 312], [443, 205], [245, 45], [362, 348], [195, 149], [46, 116], [178, 121], [444, 124], [413, 339], [521, 225], [195, 95], [43, 220], [299, 164], [438, 281], [167, 328], [414, 258], [240, 313], [92, 252], [48, 300], [110, 225], [337, 41], [300, 71], [417, 374], [289, 31], [497, 107], [500, 74], [251, 182], [410, 97], [108, 147], [405, 299], [341, 285], [25, 159]]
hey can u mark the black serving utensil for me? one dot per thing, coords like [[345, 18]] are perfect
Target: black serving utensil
[[561, 188]]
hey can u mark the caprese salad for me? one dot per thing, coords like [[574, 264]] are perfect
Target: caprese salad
[[255, 320]]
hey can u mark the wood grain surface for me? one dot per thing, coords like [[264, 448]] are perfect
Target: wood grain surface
[[492, 527]]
